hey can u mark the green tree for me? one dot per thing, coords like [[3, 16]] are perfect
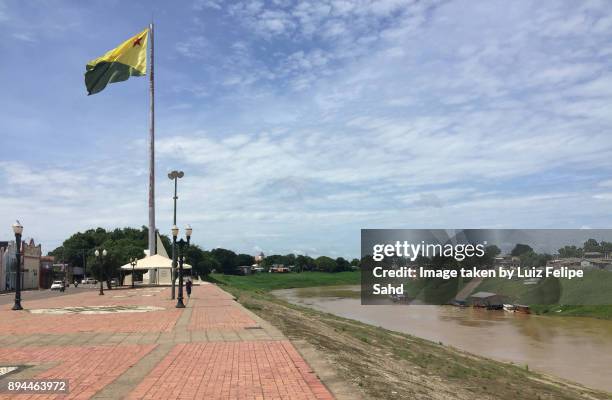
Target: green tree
[[206, 265], [273, 259], [227, 260], [342, 265], [325, 264], [591, 245], [304, 263], [570, 251], [520, 249], [244, 259]]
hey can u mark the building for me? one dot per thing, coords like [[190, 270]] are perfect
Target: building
[[507, 262], [3, 265], [485, 299], [8, 266], [31, 253], [593, 254], [245, 269], [279, 268], [45, 276], [30, 265]]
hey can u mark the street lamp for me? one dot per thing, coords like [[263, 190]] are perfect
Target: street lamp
[[181, 256], [101, 265], [133, 262], [175, 232], [18, 230], [175, 176]]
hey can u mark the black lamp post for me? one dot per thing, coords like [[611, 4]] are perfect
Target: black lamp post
[[101, 266], [175, 176], [133, 262], [18, 229], [181, 256]]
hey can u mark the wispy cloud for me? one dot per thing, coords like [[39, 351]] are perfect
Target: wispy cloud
[[298, 123]]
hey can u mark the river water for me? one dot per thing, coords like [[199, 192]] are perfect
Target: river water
[[578, 349]]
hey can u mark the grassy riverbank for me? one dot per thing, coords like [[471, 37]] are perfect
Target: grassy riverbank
[[266, 282], [384, 364]]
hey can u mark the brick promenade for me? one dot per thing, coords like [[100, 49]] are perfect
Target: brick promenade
[[213, 349]]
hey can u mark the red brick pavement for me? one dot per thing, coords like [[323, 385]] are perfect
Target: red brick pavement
[[25, 324], [221, 317], [237, 370], [28, 323], [252, 369], [88, 368]]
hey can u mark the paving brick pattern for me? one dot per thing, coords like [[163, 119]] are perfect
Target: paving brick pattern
[[88, 368], [243, 370], [19, 324], [220, 317], [213, 349]]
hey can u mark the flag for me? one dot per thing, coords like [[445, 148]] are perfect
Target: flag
[[117, 65]]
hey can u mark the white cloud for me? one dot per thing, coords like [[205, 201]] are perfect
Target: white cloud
[[320, 118]]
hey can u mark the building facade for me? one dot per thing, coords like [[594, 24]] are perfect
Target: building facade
[[30, 265], [3, 267]]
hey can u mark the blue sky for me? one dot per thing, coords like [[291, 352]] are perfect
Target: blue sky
[[299, 123]]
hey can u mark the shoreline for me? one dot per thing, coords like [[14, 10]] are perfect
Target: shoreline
[[385, 364]]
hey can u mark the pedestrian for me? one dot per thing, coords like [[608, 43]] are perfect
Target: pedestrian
[[188, 287]]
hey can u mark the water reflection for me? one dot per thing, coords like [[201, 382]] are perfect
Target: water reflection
[[579, 349]]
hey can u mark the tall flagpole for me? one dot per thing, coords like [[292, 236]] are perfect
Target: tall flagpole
[[152, 148]]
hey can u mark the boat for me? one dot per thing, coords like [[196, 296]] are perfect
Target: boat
[[495, 307], [458, 303], [523, 309], [509, 307]]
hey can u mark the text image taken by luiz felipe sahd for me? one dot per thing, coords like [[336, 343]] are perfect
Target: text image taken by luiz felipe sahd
[[439, 266]]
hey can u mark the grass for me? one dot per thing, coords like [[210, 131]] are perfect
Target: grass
[[601, 312], [266, 282], [383, 364]]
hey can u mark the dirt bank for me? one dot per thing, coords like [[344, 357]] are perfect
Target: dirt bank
[[383, 364]]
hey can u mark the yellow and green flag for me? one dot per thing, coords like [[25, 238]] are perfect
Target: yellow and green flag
[[117, 65]]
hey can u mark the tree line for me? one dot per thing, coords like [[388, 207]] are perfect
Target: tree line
[[125, 243]]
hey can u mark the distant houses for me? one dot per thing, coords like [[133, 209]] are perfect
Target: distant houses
[[37, 271]]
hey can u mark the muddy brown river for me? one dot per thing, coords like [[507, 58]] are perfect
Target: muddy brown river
[[578, 349]]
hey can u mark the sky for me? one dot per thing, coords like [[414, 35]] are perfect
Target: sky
[[298, 123]]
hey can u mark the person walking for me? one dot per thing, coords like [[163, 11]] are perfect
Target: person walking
[[188, 287]]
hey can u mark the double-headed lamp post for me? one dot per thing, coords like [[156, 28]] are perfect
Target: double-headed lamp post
[[18, 230], [181, 257], [133, 262], [98, 255], [175, 176]]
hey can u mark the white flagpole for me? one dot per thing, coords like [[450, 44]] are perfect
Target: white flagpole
[[152, 239]]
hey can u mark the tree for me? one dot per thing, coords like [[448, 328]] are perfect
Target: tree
[[121, 245], [570, 251], [342, 265], [492, 251], [533, 259], [591, 245], [244, 259], [227, 260], [325, 264], [273, 259], [206, 265], [520, 249], [355, 262], [304, 263]]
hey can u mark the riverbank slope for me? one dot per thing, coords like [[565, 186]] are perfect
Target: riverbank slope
[[384, 364]]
